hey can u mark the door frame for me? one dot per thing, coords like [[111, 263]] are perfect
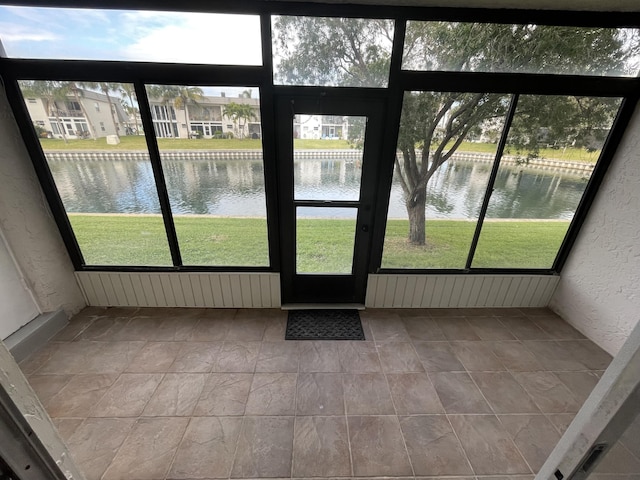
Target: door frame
[[327, 288]]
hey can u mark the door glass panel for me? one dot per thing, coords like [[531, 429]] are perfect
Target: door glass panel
[[130, 35], [211, 153], [92, 138], [552, 147], [437, 192], [331, 51], [325, 239], [327, 156], [491, 47]]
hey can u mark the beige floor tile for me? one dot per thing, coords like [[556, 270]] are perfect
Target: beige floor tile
[[477, 356], [458, 393], [553, 356], [176, 396], [237, 357], [147, 452], [103, 329], [176, 328], [212, 328], [377, 448], [557, 328], [128, 396], [319, 357], [490, 328], [321, 447], [524, 328], [96, 442], [367, 394], [265, 448], [272, 394], [39, 358], [445, 312], [588, 353], [581, 384], [515, 356], [247, 326], [48, 386], [561, 421], [388, 329], [548, 392], [75, 326], [320, 394], [137, 328], [618, 460], [423, 329], [457, 328], [275, 329], [80, 395], [438, 357], [67, 426], [504, 393], [224, 394], [487, 445], [358, 357], [154, 357], [433, 446], [631, 436], [196, 357], [413, 393], [398, 358], [207, 449], [278, 357], [534, 435]]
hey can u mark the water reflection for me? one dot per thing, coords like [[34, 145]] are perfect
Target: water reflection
[[236, 188]]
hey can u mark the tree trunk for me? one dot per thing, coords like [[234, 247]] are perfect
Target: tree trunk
[[416, 206]]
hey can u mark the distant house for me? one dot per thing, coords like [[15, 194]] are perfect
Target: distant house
[[75, 116], [204, 118], [334, 127]]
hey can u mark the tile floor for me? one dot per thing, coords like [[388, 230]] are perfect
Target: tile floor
[[194, 393]]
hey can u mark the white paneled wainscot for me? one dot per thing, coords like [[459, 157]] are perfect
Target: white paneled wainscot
[[262, 290]]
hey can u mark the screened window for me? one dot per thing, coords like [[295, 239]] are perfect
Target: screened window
[[344, 52], [102, 170], [214, 175], [147, 36], [491, 47]]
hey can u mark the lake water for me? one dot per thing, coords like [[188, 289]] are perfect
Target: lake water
[[236, 188]]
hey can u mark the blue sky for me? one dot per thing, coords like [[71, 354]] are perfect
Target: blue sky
[[34, 32]]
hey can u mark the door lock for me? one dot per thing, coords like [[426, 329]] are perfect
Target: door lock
[[365, 228]]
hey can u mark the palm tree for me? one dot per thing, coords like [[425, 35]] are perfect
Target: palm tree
[[105, 87], [184, 96], [167, 93], [77, 93], [237, 112], [128, 90], [49, 91]]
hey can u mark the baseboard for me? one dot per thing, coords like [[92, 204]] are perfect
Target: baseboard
[[35, 334]]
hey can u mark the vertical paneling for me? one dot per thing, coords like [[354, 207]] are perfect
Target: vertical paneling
[[165, 289], [459, 291]]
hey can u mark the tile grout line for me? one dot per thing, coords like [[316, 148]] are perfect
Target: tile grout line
[[295, 411]]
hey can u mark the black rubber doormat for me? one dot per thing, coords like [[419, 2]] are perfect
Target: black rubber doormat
[[324, 325]]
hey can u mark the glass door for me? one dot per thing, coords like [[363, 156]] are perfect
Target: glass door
[[328, 160]]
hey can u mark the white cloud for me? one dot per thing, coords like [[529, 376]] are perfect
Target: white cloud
[[19, 33], [195, 38]]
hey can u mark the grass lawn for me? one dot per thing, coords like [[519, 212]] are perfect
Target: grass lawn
[[325, 245], [138, 142]]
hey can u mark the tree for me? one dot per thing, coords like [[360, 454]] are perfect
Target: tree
[[49, 91], [105, 88], [129, 91], [352, 52], [237, 112], [77, 93], [185, 95]]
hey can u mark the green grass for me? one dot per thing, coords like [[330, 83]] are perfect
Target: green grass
[[325, 245], [138, 142]]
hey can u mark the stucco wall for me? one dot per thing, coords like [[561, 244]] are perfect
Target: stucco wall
[[28, 226], [599, 290]]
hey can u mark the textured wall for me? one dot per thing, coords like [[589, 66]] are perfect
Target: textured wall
[[599, 290], [28, 226]]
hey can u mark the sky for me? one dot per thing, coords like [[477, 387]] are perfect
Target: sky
[[83, 34]]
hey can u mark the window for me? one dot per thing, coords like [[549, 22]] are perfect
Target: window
[[32, 100], [345, 52], [109, 196], [492, 47], [130, 35], [215, 185]]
